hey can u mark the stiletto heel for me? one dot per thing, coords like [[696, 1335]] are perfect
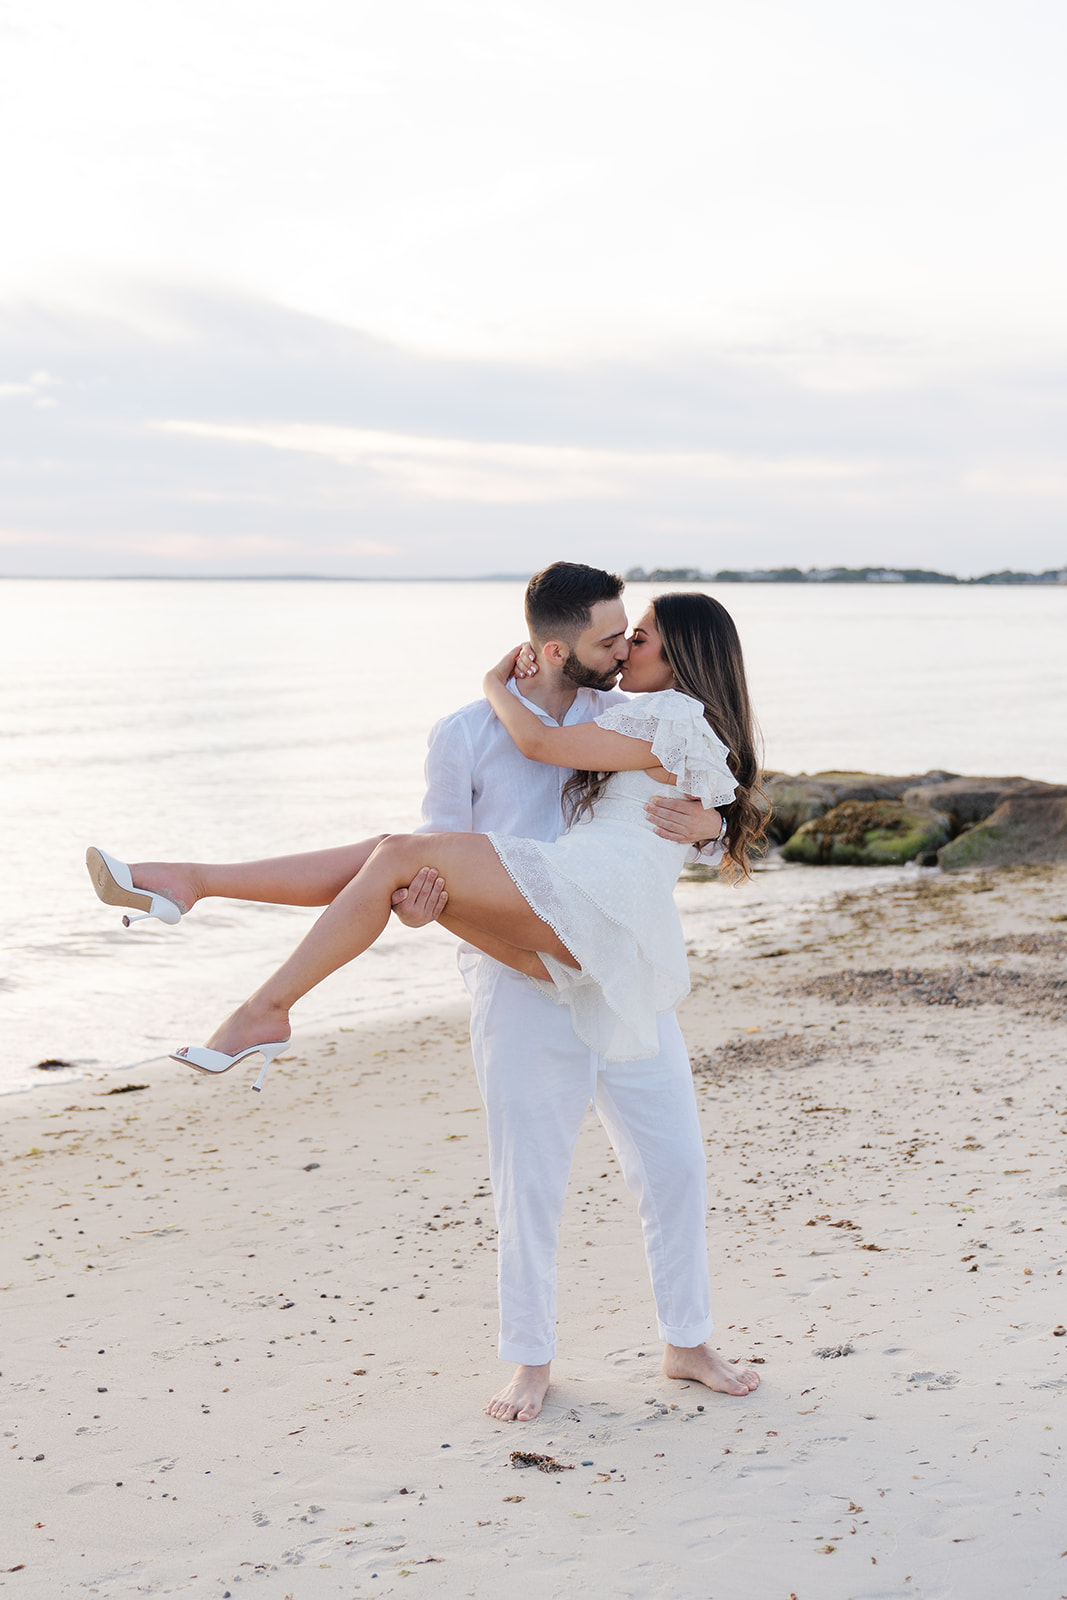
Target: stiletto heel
[[113, 883], [215, 1061]]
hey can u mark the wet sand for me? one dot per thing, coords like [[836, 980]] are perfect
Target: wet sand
[[248, 1338]]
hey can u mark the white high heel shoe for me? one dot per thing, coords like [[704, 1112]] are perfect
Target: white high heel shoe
[[113, 883], [205, 1060]]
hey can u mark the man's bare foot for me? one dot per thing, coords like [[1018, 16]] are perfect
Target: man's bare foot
[[521, 1399], [171, 878], [251, 1024], [701, 1365]]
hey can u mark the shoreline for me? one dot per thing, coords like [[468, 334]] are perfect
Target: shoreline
[[249, 1337], [443, 987]]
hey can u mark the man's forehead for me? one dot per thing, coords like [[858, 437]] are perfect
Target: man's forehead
[[607, 620]]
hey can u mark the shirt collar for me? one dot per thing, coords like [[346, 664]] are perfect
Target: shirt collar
[[585, 705]]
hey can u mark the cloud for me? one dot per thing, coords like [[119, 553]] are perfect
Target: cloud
[[206, 432], [1050, 483], [502, 474]]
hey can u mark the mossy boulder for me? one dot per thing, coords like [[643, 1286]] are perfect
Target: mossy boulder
[[799, 798], [1029, 826], [969, 800], [870, 833]]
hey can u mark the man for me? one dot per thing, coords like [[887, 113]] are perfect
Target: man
[[536, 1077]]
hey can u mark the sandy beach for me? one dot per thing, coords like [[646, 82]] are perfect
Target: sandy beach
[[241, 1358]]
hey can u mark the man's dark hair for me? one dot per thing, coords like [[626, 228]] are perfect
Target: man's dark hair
[[560, 600]]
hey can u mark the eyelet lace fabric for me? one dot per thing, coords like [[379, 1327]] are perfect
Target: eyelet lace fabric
[[681, 742], [606, 887]]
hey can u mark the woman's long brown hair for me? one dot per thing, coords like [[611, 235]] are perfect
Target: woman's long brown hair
[[700, 645]]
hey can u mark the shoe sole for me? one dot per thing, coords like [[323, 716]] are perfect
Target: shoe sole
[[110, 892]]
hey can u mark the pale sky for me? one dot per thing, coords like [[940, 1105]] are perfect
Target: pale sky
[[459, 288]]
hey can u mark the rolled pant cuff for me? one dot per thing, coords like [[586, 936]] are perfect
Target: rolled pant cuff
[[686, 1338], [527, 1355]]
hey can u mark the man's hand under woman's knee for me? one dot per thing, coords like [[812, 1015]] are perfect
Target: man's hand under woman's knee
[[422, 901]]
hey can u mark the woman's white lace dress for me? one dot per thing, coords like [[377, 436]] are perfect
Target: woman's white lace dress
[[607, 886]]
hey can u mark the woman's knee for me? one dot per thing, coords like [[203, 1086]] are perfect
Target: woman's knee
[[394, 851]]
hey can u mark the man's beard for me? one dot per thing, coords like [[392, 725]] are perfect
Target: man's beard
[[584, 677]]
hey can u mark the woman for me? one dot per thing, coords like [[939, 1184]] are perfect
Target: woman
[[591, 916]]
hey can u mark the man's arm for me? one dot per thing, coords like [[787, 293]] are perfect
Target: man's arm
[[448, 804], [447, 807]]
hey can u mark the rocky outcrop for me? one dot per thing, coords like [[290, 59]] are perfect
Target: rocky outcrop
[[870, 833], [1029, 825], [873, 819], [968, 800], [797, 799]]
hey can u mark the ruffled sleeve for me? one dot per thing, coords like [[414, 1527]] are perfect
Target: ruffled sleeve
[[681, 742]]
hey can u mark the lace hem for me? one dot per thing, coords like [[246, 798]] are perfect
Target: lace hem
[[622, 981]]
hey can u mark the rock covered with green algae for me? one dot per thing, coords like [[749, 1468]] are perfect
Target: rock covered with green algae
[[801, 797], [1027, 826], [870, 833]]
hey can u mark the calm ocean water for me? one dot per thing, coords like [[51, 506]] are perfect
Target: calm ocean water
[[214, 720]]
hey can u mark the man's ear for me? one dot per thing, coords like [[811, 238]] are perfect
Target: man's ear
[[555, 652]]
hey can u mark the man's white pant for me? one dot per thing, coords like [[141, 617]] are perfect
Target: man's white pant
[[537, 1079]]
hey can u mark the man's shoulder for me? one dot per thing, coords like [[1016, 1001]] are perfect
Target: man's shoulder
[[467, 720]]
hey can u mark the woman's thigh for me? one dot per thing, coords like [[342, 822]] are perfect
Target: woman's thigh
[[480, 891]]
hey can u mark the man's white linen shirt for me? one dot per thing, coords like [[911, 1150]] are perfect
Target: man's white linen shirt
[[479, 781]]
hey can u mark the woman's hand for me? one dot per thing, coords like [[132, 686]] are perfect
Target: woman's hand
[[505, 667], [526, 664]]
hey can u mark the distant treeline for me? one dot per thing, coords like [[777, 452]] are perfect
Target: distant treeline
[[834, 575]]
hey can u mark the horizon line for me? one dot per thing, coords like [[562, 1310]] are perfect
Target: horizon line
[[757, 578]]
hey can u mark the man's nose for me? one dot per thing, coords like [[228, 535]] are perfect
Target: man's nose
[[622, 650]]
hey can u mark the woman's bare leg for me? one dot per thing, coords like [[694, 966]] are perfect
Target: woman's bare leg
[[527, 962], [311, 878], [481, 895]]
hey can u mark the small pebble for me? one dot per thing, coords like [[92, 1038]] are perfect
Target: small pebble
[[101, 1391]]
